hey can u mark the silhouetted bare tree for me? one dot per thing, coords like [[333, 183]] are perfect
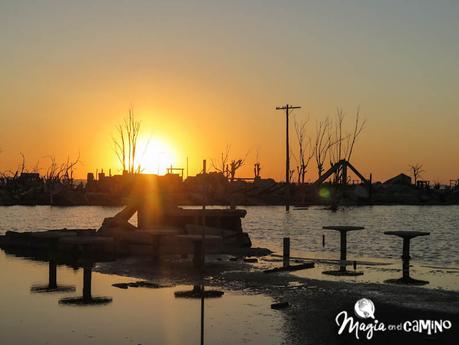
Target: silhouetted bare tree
[[36, 167], [21, 168], [230, 169], [125, 143], [61, 172], [23, 163], [342, 142], [359, 126], [57, 175], [305, 150], [235, 164], [67, 170], [119, 143], [335, 135], [222, 165], [321, 145], [416, 170]]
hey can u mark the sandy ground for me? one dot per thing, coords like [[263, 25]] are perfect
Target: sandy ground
[[313, 303]]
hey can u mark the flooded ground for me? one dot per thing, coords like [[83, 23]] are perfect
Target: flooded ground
[[134, 316], [374, 271], [243, 315], [435, 258]]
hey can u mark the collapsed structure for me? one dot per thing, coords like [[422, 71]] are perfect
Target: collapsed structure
[[163, 228]]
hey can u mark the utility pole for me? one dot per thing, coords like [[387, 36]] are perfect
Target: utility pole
[[287, 107]]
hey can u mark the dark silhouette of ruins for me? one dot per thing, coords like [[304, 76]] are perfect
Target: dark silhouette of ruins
[[342, 182]]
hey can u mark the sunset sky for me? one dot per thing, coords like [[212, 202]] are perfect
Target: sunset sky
[[204, 74]]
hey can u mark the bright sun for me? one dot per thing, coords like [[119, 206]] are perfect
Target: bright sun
[[154, 156]]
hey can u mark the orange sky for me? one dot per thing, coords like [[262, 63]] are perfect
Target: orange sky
[[204, 75]]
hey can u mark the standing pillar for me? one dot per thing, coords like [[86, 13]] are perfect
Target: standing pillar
[[343, 251], [52, 278], [87, 277], [286, 253], [406, 258]]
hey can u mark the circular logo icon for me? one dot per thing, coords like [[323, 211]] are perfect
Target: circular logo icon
[[364, 308]]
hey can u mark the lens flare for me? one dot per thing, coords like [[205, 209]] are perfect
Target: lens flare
[[324, 193]]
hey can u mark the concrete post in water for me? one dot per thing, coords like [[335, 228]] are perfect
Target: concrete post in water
[[406, 258], [342, 264], [52, 278], [286, 254], [407, 236], [87, 276]]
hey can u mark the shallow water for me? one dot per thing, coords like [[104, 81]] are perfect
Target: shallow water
[[135, 316], [155, 316], [268, 225]]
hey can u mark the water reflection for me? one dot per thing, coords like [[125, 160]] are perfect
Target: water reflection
[[139, 315], [198, 291], [52, 282], [406, 278], [73, 259], [86, 298]]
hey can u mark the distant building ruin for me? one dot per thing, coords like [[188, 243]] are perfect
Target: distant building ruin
[[400, 179]]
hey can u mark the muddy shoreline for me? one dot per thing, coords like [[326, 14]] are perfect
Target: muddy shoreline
[[313, 303]]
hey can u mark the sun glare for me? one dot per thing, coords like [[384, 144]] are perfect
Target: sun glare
[[154, 156]]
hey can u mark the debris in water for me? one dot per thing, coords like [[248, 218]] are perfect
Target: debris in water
[[253, 260], [144, 284], [281, 305]]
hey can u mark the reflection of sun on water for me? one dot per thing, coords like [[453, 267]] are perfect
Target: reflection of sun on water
[[154, 156]]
